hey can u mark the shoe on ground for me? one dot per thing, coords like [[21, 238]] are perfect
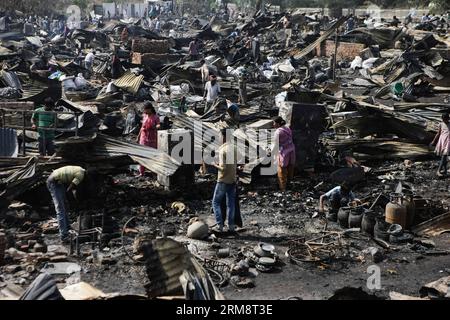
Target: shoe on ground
[[217, 229]]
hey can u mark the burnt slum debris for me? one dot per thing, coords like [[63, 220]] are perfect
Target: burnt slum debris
[[363, 102]]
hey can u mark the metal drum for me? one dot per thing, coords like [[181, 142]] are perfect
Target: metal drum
[[396, 210]]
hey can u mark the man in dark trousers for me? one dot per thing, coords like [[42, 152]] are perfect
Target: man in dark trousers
[[44, 122], [62, 180], [226, 184]]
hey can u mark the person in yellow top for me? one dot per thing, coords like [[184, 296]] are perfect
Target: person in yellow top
[[64, 179], [226, 183]]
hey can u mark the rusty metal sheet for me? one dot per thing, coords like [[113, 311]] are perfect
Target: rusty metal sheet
[[434, 226], [8, 143], [129, 82]]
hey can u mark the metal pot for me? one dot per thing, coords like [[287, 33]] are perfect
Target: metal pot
[[355, 218], [223, 253], [380, 230], [342, 216], [408, 201], [264, 250], [368, 222]]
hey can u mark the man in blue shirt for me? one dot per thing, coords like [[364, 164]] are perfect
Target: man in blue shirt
[[337, 197], [233, 112], [350, 23]]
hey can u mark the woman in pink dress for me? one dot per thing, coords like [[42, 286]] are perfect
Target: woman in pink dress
[[148, 135], [443, 143], [286, 154]]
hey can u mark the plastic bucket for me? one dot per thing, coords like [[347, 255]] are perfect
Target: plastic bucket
[[398, 88]]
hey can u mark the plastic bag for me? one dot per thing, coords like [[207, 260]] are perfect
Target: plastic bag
[[356, 63]]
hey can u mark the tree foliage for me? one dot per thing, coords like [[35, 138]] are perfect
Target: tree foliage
[[83, 4], [40, 7]]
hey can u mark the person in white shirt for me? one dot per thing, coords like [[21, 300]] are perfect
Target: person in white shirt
[[212, 90], [157, 25], [151, 24], [89, 60]]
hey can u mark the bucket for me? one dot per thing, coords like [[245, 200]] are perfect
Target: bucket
[[368, 222], [223, 253], [380, 230], [355, 219], [342, 216], [398, 88]]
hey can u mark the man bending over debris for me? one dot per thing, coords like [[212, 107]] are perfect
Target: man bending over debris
[[233, 112], [339, 196], [226, 183], [43, 122], [64, 179]]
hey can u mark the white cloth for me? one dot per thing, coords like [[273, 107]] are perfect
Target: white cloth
[[356, 63], [212, 91], [80, 81]]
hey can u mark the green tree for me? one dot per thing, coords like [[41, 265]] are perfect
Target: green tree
[[83, 4], [440, 5]]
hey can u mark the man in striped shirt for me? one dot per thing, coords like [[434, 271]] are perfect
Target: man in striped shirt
[[44, 123]]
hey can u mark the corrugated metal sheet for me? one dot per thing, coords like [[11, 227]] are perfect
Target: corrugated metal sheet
[[152, 159], [19, 181], [182, 121], [170, 268], [129, 82], [101, 68], [11, 79], [30, 92], [35, 41], [8, 143]]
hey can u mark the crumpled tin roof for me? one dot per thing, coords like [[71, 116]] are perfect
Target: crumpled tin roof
[[129, 82]]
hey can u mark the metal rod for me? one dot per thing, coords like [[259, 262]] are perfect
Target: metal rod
[[39, 112], [42, 128], [335, 55], [23, 133], [76, 125]]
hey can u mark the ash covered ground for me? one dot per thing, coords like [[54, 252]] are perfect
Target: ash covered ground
[[269, 216]]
